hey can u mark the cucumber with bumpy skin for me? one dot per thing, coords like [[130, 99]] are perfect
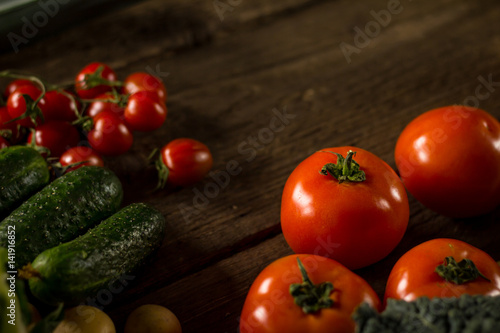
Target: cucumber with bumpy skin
[[61, 211], [23, 172], [74, 271]]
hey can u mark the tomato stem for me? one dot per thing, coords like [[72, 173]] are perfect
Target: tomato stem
[[119, 99], [346, 169], [95, 79], [310, 297], [161, 168], [28, 272], [72, 98], [459, 273]]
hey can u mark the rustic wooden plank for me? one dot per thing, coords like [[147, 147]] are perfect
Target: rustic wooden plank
[[123, 36], [279, 157]]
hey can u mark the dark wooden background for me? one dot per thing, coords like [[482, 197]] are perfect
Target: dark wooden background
[[225, 74]]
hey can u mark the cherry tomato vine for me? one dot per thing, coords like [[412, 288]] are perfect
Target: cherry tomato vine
[[95, 115]]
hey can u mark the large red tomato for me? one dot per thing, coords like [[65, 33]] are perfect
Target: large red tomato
[[449, 160], [356, 219], [318, 297], [443, 267]]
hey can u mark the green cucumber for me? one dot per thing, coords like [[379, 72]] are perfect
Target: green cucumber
[[23, 172], [61, 211], [72, 272]]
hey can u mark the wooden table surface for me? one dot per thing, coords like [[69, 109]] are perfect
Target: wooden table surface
[[231, 67]]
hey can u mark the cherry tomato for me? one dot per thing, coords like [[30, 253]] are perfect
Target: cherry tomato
[[55, 135], [16, 105], [448, 159], [3, 142], [89, 84], [356, 222], [187, 160], [10, 128], [109, 135], [80, 154], [144, 111], [416, 274], [333, 292], [57, 105], [103, 102], [141, 81], [13, 85]]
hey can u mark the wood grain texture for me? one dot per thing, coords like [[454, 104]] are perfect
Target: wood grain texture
[[229, 79]]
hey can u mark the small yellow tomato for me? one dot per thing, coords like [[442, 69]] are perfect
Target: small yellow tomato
[[85, 319], [151, 318]]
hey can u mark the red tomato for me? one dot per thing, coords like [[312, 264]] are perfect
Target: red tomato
[[270, 307], [187, 160], [89, 84], [10, 129], [107, 101], [141, 81], [13, 85], [109, 135], [355, 223], [144, 111], [57, 105], [80, 154], [17, 107], [3, 142], [449, 160], [414, 274], [55, 135]]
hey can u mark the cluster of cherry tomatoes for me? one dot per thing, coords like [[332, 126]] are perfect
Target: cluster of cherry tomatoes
[[95, 116], [344, 208], [97, 104]]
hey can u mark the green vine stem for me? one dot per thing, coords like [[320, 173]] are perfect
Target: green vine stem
[[32, 109], [92, 80]]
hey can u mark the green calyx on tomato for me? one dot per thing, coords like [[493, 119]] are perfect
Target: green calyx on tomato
[[459, 272], [6, 133], [163, 170], [310, 297], [346, 169], [95, 79]]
